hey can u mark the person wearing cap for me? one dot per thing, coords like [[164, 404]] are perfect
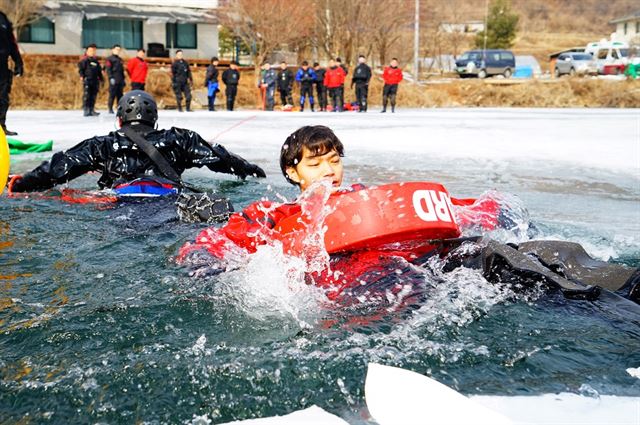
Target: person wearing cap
[[91, 77]]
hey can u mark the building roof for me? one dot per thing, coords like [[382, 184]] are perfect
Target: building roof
[[157, 14], [635, 16]]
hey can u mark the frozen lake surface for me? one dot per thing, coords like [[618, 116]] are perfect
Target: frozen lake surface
[[99, 325]]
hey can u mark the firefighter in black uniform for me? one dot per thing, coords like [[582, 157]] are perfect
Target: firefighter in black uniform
[[115, 73], [231, 78], [8, 49], [285, 84], [181, 80], [361, 77], [91, 76], [320, 88]]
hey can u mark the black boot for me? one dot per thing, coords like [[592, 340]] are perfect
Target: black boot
[[94, 113], [87, 112], [8, 132], [179, 106], [188, 106]]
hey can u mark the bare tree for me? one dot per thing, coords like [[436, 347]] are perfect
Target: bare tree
[[265, 25], [392, 19], [21, 12]]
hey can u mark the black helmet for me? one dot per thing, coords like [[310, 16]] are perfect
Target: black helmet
[[137, 106]]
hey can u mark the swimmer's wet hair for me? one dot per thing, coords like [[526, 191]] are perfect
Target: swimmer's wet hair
[[318, 139]]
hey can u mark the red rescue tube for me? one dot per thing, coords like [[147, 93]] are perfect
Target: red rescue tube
[[390, 216]]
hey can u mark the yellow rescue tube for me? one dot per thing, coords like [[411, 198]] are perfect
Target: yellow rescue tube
[[4, 160]]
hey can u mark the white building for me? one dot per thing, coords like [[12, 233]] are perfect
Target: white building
[[627, 28], [159, 26], [470, 27]]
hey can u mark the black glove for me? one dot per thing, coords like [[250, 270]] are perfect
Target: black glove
[[18, 70]]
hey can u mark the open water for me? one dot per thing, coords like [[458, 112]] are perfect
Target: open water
[[99, 325]]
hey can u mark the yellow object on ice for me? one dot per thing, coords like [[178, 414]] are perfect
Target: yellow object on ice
[[4, 160]]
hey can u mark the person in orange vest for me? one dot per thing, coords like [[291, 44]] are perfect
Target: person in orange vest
[[334, 80], [392, 76]]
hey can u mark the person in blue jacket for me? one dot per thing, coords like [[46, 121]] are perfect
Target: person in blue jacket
[[306, 76], [211, 83]]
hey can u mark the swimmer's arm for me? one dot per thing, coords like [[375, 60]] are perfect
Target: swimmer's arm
[[63, 167], [216, 157]]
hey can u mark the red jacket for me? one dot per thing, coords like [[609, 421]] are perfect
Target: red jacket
[[392, 75], [137, 69], [334, 77]]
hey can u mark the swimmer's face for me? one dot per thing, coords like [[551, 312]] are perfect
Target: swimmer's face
[[312, 168]]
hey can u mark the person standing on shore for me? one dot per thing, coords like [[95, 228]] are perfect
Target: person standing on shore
[[392, 76], [346, 72], [268, 82], [137, 69], [211, 83], [8, 49], [91, 76], [181, 80], [334, 81], [285, 84], [306, 76], [115, 73], [361, 77], [231, 78], [320, 88]]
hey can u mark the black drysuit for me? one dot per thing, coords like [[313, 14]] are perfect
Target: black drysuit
[[181, 79], [8, 49], [120, 160], [361, 77], [231, 77], [115, 72], [285, 86], [321, 89], [91, 74]]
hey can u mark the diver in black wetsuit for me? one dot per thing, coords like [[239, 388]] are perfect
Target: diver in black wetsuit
[[121, 160]]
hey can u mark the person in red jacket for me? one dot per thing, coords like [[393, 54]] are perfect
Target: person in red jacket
[[137, 69], [310, 154], [392, 76], [334, 80]]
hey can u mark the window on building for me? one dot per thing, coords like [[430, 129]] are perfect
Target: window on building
[[637, 27], [182, 36], [40, 31], [105, 32], [625, 28]]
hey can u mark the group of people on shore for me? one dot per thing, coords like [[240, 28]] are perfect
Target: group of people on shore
[[329, 84]]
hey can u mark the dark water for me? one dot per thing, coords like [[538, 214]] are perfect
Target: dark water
[[98, 324]]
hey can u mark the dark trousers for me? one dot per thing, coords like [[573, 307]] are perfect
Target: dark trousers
[[5, 91], [389, 93], [180, 87], [306, 90], [231, 91], [285, 96], [362, 92], [212, 101], [115, 93], [322, 96], [89, 96], [270, 97], [336, 98], [137, 86]]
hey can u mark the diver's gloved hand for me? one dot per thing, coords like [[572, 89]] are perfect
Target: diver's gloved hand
[[18, 70], [243, 168]]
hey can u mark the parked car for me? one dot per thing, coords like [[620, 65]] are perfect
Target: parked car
[[575, 63], [483, 63], [613, 55]]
